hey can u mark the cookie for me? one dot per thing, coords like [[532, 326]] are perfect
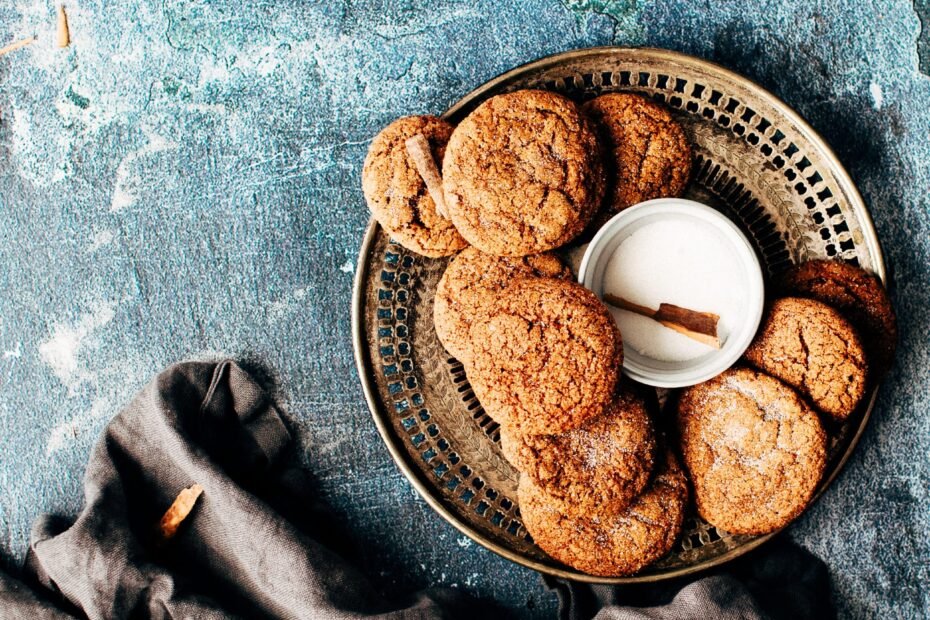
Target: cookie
[[615, 545], [522, 173], [396, 193], [811, 347], [546, 358], [647, 152], [471, 284], [596, 469], [755, 450], [510, 446], [859, 295]]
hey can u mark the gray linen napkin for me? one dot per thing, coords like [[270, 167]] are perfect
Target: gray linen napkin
[[777, 581], [236, 555]]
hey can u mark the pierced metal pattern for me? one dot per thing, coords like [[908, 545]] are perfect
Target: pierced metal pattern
[[754, 159]]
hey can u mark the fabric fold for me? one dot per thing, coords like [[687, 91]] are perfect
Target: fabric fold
[[778, 581], [234, 556]]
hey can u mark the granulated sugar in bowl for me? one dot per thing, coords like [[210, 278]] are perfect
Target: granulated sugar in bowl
[[669, 258]]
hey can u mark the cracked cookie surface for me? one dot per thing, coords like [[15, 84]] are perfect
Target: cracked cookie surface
[[755, 450], [471, 284], [647, 152], [859, 295], [598, 468], [395, 191], [523, 173], [546, 358], [813, 348], [617, 544]]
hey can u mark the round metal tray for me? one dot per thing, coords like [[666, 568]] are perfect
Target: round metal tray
[[755, 159]]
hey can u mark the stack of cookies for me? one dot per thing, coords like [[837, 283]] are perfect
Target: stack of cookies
[[524, 173], [754, 440], [544, 355], [528, 172]]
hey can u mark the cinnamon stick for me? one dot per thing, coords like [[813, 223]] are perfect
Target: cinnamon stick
[[63, 33], [699, 326], [625, 304], [693, 320], [16, 45], [422, 157], [178, 511]]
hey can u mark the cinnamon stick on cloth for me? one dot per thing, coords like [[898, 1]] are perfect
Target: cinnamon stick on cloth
[[179, 509], [250, 548]]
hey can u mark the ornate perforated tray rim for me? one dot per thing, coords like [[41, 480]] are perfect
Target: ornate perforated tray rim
[[359, 338]]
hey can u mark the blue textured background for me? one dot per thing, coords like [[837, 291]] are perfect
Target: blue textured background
[[184, 181]]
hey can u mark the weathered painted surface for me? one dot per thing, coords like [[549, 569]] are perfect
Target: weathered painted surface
[[183, 181]]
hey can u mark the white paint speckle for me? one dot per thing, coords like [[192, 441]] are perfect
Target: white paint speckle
[[99, 384], [875, 89], [424, 21], [37, 18], [347, 267], [14, 353], [208, 108], [267, 59], [43, 142], [61, 351], [212, 71], [278, 308], [125, 186], [101, 238], [71, 428], [464, 542], [22, 144]]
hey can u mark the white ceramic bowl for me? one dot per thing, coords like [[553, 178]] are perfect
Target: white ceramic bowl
[[679, 374]]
